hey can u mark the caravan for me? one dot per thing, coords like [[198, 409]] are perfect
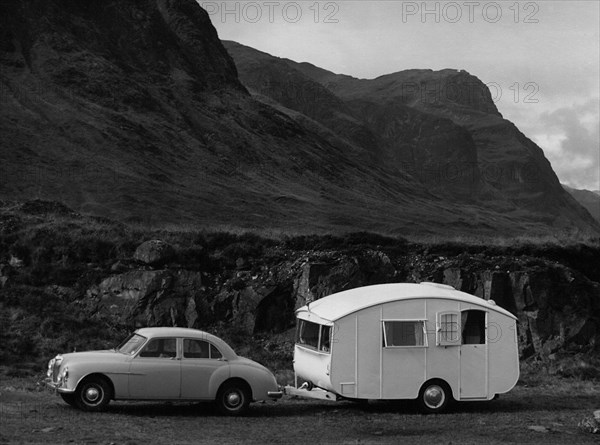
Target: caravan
[[424, 341]]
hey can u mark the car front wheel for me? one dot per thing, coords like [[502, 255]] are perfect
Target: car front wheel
[[233, 399], [92, 395]]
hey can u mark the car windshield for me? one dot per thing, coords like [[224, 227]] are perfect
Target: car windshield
[[131, 344]]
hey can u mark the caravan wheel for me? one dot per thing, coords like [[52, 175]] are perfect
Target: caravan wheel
[[434, 397]]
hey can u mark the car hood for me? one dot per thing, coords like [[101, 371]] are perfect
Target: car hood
[[91, 356]]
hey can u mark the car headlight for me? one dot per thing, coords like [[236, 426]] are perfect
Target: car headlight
[[50, 367]]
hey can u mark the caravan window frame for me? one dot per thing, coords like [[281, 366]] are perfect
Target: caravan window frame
[[477, 324], [423, 323], [323, 345], [442, 331]]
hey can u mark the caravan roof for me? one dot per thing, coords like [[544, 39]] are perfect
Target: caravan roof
[[336, 306]]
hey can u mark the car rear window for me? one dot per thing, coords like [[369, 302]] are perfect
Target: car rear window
[[193, 348]]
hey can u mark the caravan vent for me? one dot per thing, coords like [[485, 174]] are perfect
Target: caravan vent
[[440, 285]]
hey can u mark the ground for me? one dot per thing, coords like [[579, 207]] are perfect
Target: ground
[[546, 413]]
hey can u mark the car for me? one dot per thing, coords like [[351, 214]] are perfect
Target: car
[[161, 363]]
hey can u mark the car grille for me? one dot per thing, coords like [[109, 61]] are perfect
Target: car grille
[[56, 369]]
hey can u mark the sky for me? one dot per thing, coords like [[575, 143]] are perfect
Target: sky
[[541, 59]]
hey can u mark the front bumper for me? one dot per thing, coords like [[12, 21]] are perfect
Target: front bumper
[[56, 387]]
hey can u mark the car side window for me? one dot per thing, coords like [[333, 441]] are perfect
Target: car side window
[[195, 349], [199, 349], [160, 348], [215, 353]]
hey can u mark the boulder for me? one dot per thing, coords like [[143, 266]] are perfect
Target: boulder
[[154, 252], [152, 297], [591, 424]]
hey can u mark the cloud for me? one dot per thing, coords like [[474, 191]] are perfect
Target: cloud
[[571, 141]]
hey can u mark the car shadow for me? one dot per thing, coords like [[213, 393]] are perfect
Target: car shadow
[[296, 406]]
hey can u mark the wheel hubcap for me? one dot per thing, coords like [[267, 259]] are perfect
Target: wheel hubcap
[[233, 399], [92, 394], [434, 396]]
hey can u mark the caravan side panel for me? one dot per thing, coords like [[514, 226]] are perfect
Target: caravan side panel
[[403, 367], [356, 355], [368, 351], [343, 357], [504, 354]]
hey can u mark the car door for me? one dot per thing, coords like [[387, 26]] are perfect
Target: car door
[[155, 372], [200, 360]]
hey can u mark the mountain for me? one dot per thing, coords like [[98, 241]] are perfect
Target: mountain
[[588, 199], [135, 111], [442, 127]]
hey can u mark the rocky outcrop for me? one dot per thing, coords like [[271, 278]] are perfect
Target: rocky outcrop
[[151, 297], [557, 307]]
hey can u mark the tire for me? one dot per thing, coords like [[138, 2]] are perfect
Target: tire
[[93, 394], [69, 398], [434, 397], [233, 399]]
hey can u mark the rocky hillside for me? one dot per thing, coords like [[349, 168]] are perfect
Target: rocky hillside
[[588, 199], [62, 273], [440, 127], [134, 111]]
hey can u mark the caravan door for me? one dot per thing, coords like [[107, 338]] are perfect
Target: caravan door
[[473, 355]]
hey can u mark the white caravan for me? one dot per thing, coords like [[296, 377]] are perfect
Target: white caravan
[[424, 341]]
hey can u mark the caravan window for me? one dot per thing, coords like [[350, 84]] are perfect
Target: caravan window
[[473, 327], [313, 335], [448, 329], [461, 328], [404, 333]]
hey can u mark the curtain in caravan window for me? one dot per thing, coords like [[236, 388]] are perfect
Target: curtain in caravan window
[[473, 327], [403, 333], [463, 323], [308, 334]]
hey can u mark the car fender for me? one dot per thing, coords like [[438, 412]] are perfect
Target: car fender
[[221, 375], [116, 373], [260, 380]]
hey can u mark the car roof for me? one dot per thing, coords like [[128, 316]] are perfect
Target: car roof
[[338, 305], [152, 332]]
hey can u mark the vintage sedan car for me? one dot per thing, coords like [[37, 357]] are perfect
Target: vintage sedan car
[[162, 364]]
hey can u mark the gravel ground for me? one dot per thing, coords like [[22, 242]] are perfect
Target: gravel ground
[[546, 414]]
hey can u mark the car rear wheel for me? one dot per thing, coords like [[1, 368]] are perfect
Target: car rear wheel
[[233, 399], [93, 394], [434, 397]]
